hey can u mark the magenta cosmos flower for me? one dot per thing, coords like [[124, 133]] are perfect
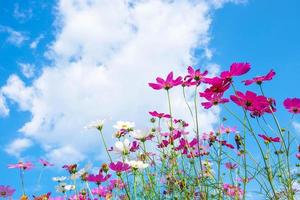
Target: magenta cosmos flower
[[159, 115], [166, 84], [6, 191], [194, 77], [236, 69], [119, 166], [213, 99], [292, 105], [98, 178], [268, 139], [45, 163], [256, 104], [260, 79], [230, 165], [21, 165]]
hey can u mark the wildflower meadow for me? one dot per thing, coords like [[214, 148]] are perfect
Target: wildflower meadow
[[252, 151]]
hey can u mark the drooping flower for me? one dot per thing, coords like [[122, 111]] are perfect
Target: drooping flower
[[6, 191], [166, 84], [45, 163], [21, 165], [159, 115], [213, 99], [72, 169], [98, 124], [230, 165], [292, 105], [236, 69], [194, 77], [119, 166], [260, 79], [268, 139]]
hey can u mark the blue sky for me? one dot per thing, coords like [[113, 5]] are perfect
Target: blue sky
[[264, 33]]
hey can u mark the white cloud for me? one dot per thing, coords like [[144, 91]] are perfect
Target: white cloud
[[104, 54], [18, 146], [4, 110], [14, 37], [296, 126], [21, 14], [27, 69], [36, 41]]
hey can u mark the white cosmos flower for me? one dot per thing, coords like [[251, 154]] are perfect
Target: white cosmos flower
[[63, 187], [70, 187], [81, 172], [98, 124], [122, 147], [59, 178], [124, 125], [140, 135], [137, 164]]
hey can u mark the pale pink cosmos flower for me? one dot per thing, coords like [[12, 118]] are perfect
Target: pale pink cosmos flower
[[45, 163], [227, 129], [233, 191], [6, 191], [230, 165], [21, 165], [292, 105], [260, 79], [166, 84]]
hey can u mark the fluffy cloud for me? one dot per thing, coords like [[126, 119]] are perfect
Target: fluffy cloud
[[18, 146], [104, 54], [27, 69], [14, 37], [296, 126]]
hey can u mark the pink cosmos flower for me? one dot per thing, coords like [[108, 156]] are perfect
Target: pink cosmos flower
[[185, 145], [224, 143], [254, 103], [227, 130], [292, 105], [42, 197], [218, 85], [233, 191], [116, 183], [98, 178], [260, 79], [244, 180], [268, 139], [159, 115], [21, 165], [166, 84], [213, 99], [6, 191], [45, 163], [194, 77], [119, 166], [230, 165], [236, 69], [134, 146]]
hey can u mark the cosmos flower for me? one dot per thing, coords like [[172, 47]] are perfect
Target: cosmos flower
[[260, 79], [218, 85], [236, 69], [268, 139], [98, 124], [101, 191], [21, 165], [159, 115], [72, 169], [98, 178], [141, 135], [213, 99], [59, 178], [45, 163], [119, 166], [194, 77], [6, 191], [42, 197], [227, 130], [124, 125], [137, 164], [230, 165], [292, 105], [232, 190], [166, 84]]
